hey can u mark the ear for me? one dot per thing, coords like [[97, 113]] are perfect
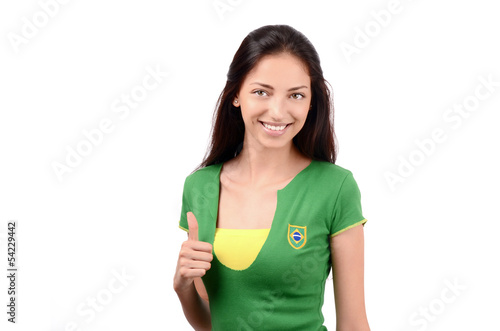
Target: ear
[[236, 101]]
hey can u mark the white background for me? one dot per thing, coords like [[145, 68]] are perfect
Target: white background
[[119, 208]]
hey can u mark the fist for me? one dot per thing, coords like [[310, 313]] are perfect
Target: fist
[[194, 257]]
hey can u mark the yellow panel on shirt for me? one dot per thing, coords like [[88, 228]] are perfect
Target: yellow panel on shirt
[[238, 248]]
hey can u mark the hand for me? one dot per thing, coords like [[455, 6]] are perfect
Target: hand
[[194, 258]]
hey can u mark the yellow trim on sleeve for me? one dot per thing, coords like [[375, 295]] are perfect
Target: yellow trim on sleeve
[[350, 227], [183, 228]]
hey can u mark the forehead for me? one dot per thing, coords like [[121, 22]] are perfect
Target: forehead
[[280, 70]]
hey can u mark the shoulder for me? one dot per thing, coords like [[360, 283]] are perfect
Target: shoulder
[[330, 171], [332, 178], [205, 174]]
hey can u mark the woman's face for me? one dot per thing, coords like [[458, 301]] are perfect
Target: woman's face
[[274, 98]]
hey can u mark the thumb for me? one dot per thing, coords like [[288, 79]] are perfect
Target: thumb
[[193, 226]]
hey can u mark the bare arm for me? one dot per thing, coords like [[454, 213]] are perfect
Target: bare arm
[[348, 279], [195, 308]]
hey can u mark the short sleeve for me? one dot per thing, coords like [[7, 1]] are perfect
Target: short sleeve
[[347, 212], [183, 224]]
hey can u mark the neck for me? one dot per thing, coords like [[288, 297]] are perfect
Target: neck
[[261, 166]]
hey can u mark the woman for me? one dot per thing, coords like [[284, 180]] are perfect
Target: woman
[[268, 213]]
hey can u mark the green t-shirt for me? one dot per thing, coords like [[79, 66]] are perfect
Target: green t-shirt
[[283, 289]]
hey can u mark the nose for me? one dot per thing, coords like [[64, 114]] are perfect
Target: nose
[[277, 109]]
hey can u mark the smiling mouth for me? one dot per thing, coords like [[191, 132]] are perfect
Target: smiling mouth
[[275, 127]]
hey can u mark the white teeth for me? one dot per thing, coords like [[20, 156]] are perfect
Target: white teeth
[[274, 128]]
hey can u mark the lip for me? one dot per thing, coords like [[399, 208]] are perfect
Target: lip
[[275, 123], [272, 132]]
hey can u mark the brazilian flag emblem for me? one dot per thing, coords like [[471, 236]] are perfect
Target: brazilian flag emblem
[[297, 236]]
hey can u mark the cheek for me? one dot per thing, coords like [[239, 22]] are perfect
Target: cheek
[[250, 110], [301, 114], [301, 120], [252, 106]]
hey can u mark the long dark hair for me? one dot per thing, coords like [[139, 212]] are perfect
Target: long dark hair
[[316, 139]]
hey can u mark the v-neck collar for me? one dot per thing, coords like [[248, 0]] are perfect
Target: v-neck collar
[[214, 205]]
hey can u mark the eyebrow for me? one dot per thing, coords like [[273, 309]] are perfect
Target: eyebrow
[[271, 88]]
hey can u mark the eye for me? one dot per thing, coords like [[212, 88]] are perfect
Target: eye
[[260, 93], [297, 96]]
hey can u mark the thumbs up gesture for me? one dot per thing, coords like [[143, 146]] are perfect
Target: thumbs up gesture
[[194, 258], [193, 227]]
